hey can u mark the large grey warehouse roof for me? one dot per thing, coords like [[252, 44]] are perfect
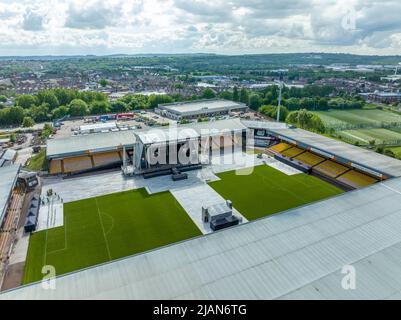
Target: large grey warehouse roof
[[201, 106], [296, 254], [95, 142], [366, 158], [8, 176]]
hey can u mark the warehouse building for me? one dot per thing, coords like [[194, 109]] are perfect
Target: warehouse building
[[200, 109]]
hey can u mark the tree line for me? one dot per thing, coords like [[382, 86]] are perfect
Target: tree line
[[54, 104]]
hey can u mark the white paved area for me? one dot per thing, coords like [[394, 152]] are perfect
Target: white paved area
[[51, 213], [79, 188], [20, 248], [192, 200], [280, 166], [100, 184]]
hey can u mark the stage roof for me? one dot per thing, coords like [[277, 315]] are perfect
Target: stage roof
[[189, 131]]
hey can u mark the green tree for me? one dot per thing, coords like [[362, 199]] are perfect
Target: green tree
[[227, 95], [103, 82], [60, 112], [13, 137], [49, 97], [271, 111], [12, 116], [99, 107], [119, 106], [235, 94], [306, 120], [78, 107], [255, 101], [40, 113], [244, 97], [208, 94], [28, 122], [155, 99], [26, 101], [3, 98]]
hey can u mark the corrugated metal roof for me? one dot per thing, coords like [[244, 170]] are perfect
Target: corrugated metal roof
[[202, 106], [8, 177], [367, 158], [92, 142], [296, 254]]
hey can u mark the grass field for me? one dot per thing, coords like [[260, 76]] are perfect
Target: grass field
[[267, 191], [342, 120], [357, 117], [38, 162], [105, 228], [365, 135]]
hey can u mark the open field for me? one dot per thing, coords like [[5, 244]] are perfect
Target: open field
[[109, 227], [362, 126], [267, 191], [363, 136], [333, 118]]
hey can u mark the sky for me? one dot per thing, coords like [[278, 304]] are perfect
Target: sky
[[101, 27]]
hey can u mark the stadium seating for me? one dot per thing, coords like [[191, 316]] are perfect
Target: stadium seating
[[77, 164], [330, 168], [279, 148], [293, 152], [356, 179], [309, 159], [102, 159], [55, 167]]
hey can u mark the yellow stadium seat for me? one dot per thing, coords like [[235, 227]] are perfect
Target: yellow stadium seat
[[55, 167], [102, 159], [279, 148], [330, 168], [309, 158], [356, 179], [77, 164], [293, 152]]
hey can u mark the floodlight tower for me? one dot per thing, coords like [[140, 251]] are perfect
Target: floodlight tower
[[280, 86]]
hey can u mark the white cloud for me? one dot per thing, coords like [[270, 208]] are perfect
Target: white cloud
[[221, 26]]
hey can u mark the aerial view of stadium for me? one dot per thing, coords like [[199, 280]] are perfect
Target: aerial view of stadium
[[199, 157]]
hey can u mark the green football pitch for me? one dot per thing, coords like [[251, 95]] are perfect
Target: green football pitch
[[266, 191], [105, 228]]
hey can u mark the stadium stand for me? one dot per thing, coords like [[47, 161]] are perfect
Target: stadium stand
[[102, 159], [356, 179], [55, 167], [8, 228], [293, 152], [331, 169], [309, 158], [76, 164], [279, 148]]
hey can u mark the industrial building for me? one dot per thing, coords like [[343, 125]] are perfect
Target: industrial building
[[382, 97], [200, 109]]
